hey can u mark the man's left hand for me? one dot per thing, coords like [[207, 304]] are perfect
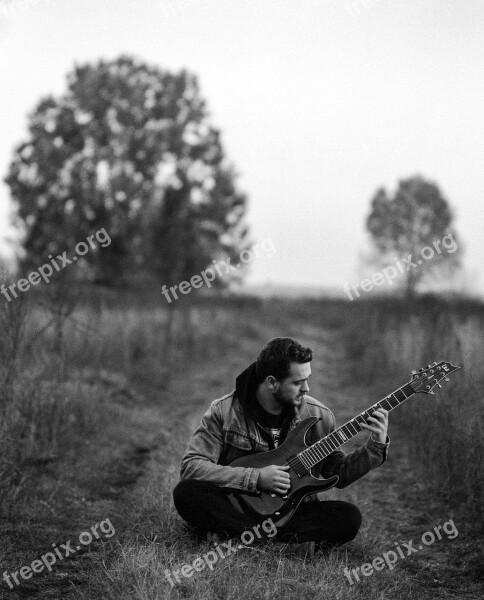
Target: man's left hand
[[378, 426]]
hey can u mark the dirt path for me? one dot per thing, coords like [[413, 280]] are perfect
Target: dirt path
[[393, 500]]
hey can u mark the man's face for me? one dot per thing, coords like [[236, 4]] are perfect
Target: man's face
[[291, 389]]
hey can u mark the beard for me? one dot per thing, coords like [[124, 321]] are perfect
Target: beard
[[286, 401]]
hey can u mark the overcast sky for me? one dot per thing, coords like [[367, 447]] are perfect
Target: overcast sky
[[320, 102]]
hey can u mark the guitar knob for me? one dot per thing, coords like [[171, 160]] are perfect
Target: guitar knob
[[273, 495], [284, 497]]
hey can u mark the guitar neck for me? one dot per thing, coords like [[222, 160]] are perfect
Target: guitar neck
[[314, 454]]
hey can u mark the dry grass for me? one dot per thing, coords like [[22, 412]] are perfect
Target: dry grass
[[110, 408], [447, 430]]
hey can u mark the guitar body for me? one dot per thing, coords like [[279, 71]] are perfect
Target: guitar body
[[264, 505]]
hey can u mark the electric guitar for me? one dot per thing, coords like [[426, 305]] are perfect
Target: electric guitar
[[302, 458]]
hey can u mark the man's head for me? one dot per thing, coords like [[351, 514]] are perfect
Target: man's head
[[282, 370]]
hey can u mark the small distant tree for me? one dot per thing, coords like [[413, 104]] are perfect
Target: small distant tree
[[129, 148], [416, 216]]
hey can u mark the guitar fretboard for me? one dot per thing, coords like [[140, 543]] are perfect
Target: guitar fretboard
[[320, 450]]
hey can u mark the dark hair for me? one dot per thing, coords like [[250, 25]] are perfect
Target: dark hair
[[275, 357]]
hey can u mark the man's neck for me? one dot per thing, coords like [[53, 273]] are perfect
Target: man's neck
[[268, 402]]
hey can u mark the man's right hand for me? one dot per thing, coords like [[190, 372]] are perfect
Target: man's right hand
[[274, 479]]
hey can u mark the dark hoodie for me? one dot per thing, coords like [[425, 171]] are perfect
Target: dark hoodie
[[245, 390]]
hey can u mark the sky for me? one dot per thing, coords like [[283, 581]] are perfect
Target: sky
[[320, 102]]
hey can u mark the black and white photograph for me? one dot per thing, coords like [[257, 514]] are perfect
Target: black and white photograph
[[241, 299]]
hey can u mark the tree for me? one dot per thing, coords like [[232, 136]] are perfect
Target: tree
[[129, 147], [402, 226]]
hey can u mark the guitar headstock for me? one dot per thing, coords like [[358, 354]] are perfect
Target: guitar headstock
[[424, 380]]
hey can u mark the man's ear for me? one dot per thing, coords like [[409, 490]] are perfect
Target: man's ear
[[272, 383]]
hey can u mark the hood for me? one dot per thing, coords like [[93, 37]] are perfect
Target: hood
[[245, 388]]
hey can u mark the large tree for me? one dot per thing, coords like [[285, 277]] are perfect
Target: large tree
[[417, 216], [129, 147]]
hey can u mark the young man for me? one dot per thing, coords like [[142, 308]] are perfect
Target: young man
[[270, 399]]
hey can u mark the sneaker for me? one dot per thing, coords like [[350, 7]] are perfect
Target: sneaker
[[304, 549]]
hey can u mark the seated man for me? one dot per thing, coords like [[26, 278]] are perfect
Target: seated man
[[270, 399]]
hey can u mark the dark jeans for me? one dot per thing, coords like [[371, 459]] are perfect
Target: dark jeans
[[207, 508]]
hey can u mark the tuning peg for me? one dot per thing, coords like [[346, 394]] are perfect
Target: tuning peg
[[435, 362], [433, 393], [439, 385], [446, 379], [427, 367], [414, 372]]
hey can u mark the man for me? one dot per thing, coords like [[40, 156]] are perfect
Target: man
[[270, 399]]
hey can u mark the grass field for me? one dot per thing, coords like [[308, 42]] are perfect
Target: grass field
[[100, 395]]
